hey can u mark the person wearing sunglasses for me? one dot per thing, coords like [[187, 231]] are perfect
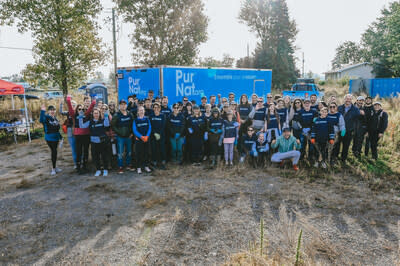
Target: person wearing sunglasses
[[294, 117], [176, 129], [337, 121], [249, 147], [229, 137], [82, 135], [258, 115], [269, 100]]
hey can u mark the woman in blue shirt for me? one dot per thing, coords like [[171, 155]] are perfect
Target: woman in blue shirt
[[51, 133]]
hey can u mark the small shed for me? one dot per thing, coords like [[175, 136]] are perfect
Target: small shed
[[356, 71]]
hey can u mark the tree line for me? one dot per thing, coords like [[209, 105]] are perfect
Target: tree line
[[379, 45]]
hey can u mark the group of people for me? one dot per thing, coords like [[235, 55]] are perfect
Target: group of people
[[276, 130]]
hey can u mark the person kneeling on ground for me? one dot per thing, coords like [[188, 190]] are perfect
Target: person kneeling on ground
[[249, 146], [288, 148]]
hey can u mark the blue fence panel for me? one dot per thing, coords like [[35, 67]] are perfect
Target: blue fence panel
[[385, 88], [138, 81], [197, 82]]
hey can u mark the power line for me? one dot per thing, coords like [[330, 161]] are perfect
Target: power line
[[15, 48]]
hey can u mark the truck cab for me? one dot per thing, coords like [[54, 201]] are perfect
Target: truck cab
[[303, 89]]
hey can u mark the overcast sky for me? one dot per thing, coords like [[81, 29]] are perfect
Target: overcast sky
[[322, 25]]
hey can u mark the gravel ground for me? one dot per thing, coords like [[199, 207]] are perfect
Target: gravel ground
[[187, 216]]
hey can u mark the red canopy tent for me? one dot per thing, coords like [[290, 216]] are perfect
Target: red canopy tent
[[8, 88]]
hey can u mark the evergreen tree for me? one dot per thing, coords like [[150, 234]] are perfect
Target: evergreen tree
[[276, 32]]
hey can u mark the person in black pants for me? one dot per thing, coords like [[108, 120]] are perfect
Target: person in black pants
[[376, 128], [350, 113], [360, 128], [157, 139], [51, 133], [142, 130]]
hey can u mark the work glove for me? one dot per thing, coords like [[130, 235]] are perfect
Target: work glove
[[157, 136], [315, 119], [177, 136], [190, 130], [205, 136], [219, 131], [306, 130], [236, 124], [331, 141], [220, 143], [343, 133], [144, 138], [312, 141]]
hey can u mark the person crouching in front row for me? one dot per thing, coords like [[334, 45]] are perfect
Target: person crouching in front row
[[249, 146], [288, 149]]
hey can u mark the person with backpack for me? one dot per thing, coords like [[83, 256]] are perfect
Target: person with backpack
[[288, 149], [214, 129], [121, 124], [141, 128], [376, 128], [157, 139], [98, 127], [176, 129], [322, 132], [51, 133], [82, 135], [229, 137], [350, 114]]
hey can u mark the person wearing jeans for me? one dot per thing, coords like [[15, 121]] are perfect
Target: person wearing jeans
[[288, 148], [122, 126], [176, 128], [70, 134]]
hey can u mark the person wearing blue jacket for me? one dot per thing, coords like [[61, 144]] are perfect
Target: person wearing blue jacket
[[98, 139], [337, 121], [249, 146], [142, 129], [51, 133], [157, 139], [229, 137], [196, 128], [214, 131], [176, 129], [305, 118], [351, 114], [322, 132], [262, 148]]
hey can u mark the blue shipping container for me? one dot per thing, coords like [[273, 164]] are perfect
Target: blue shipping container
[[192, 82], [384, 87]]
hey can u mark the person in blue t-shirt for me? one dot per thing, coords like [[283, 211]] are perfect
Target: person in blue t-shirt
[[51, 133]]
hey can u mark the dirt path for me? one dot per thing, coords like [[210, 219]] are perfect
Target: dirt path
[[186, 217]]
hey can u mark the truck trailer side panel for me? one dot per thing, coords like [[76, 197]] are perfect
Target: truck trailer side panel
[[197, 82], [138, 81]]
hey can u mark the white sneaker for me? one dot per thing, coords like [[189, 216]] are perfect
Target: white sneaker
[[75, 166], [105, 173], [316, 164], [139, 170], [323, 164], [231, 163], [98, 173], [53, 171], [226, 163], [205, 158], [148, 170], [58, 170]]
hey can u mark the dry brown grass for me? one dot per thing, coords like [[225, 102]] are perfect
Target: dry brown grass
[[24, 184], [148, 204]]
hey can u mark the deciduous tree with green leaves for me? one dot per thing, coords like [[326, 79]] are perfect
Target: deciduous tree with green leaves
[[227, 61], [165, 31], [270, 21], [348, 53], [382, 42], [65, 32]]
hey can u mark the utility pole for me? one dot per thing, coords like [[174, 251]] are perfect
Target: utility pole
[[303, 66], [115, 50]]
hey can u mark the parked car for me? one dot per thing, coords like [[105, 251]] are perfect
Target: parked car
[[303, 89], [53, 95]]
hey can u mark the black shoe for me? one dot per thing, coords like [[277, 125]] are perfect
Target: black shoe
[[162, 167]]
